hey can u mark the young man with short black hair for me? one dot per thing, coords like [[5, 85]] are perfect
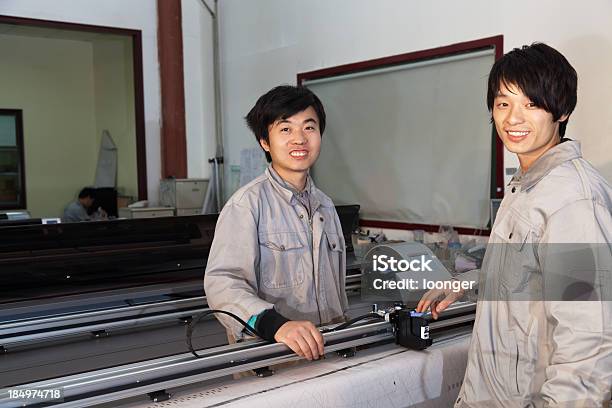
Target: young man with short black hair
[[277, 259], [543, 330]]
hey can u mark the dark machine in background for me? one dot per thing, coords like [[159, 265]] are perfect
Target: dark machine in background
[[45, 261], [106, 198]]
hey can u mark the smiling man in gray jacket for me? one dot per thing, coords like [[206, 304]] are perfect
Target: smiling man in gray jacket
[[543, 330], [277, 259]]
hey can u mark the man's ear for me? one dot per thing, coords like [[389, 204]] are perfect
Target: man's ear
[[264, 144]]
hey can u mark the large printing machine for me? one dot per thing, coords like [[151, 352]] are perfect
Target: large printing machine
[[99, 310]]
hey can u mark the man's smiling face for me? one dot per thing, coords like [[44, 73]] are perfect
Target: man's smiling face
[[294, 142], [525, 129]]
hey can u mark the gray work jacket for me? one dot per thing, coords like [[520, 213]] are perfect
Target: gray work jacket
[[261, 256], [540, 338], [75, 212]]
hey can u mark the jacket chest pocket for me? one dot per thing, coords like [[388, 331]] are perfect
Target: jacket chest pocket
[[281, 260], [518, 266], [334, 247]]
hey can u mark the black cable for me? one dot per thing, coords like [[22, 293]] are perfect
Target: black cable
[[191, 324], [356, 319]]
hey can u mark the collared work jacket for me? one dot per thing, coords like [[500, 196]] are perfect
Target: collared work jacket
[[268, 252], [543, 330]]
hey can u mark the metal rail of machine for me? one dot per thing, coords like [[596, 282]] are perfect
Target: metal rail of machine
[[155, 376], [31, 331]]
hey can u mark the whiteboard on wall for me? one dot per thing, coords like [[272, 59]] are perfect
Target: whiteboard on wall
[[410, 143]]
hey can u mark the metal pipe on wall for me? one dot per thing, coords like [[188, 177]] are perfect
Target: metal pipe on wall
[[218, 161]]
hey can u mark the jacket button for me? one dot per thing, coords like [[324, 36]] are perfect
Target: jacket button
[[321, 219], [301, 215], [514, 189], [510, 236], [282, 247], [334, 246]]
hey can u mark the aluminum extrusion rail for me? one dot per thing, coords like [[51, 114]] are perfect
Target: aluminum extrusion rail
[[29, 331], [26, 332]]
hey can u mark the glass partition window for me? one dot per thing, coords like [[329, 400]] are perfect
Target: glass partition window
[[12, 189]]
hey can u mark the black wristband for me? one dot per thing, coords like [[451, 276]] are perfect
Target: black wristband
[[268, 323]]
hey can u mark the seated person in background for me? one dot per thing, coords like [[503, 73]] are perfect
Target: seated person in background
[[79, 210], [277, 259]]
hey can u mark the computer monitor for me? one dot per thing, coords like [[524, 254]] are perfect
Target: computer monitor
[[349, 220], [106, 197]]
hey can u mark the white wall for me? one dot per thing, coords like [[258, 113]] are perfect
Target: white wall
[[199, 87], [267, 42], [132, 14]]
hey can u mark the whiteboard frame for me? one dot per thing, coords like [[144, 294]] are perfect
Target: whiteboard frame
[[418, 58]]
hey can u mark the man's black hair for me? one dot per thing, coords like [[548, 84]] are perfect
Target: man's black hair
[[280, 103], [88, 192], [542, 74]]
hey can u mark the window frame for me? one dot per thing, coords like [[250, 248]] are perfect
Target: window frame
[[21, 194], [138, 72]]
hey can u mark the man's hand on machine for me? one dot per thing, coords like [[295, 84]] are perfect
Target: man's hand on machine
[[302, 337], [438, 300]]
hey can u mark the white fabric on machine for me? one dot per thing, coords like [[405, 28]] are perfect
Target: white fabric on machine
[[384, 376]]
